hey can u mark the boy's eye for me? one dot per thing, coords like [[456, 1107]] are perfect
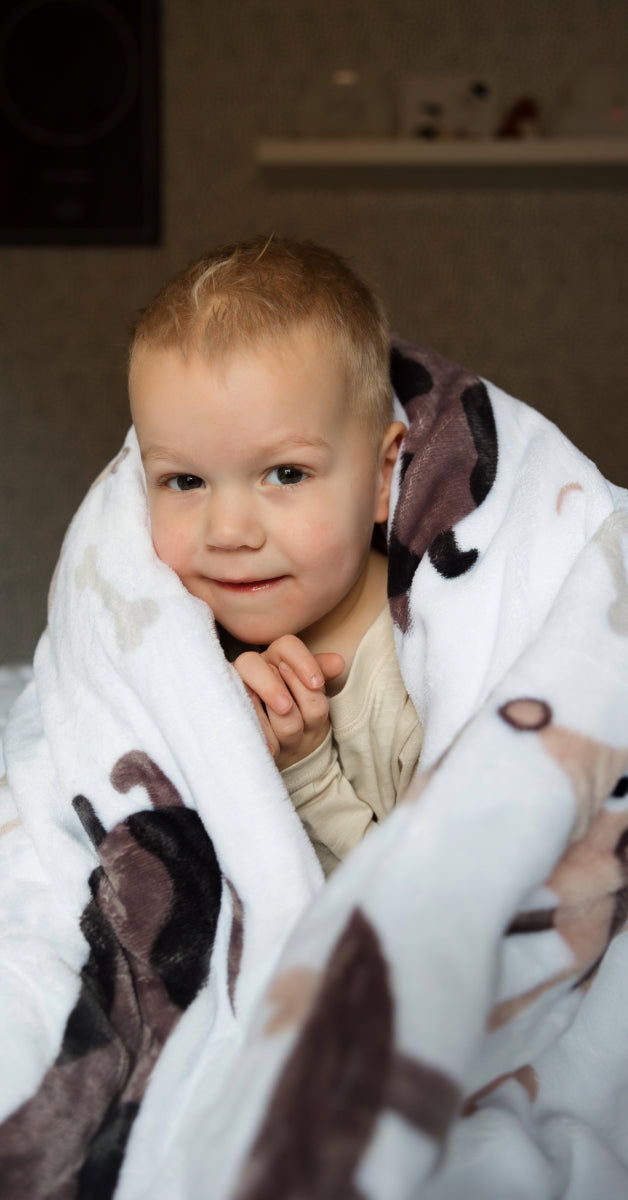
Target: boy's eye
[[285, 475], [184, 483]]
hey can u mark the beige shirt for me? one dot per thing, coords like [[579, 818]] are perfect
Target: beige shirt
[[363, 767]]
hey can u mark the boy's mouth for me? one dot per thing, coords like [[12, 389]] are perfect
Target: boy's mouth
[[248, 585]]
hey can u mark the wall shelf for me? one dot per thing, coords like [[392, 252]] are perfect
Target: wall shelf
[[554, 162], [411, 152]]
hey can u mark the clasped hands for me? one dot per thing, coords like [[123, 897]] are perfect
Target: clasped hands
[[286, 684]]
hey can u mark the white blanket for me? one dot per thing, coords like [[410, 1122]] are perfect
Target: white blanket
[[13, 680], [186, 1008]]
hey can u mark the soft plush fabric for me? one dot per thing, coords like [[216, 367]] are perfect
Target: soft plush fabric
[[13, 680], [186, 1008]]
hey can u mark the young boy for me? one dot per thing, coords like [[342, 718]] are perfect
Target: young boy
[[260, 394]]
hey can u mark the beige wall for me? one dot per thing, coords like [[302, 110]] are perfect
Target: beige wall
[[527, 286]]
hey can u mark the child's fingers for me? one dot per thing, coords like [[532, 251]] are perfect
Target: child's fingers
[[287, 684], [263, 678], [290, 651], [311, 702], [331, 664], [288, 730], [305, 675]]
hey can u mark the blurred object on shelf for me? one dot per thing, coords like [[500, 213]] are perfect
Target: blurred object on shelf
[[595, 104], [448, 106], [522, 119], [348, 103]]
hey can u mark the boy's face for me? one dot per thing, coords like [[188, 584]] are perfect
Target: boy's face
[[263, 489]]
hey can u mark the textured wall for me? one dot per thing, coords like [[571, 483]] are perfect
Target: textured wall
[[528, 286]]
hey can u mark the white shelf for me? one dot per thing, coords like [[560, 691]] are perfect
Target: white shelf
[[411, 152]]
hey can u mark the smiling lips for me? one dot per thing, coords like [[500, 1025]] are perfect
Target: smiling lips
[[244, 586]]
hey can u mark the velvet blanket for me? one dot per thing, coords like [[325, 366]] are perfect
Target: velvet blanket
[[186, 1008]]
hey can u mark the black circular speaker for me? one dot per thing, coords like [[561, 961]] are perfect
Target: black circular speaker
[[69, 70], [78, 121]]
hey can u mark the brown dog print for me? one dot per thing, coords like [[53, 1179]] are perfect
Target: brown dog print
[[341, 1074], [590, 881], [448, 466]]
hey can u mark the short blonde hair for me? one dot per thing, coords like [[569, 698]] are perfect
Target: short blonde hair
[[252, 292]]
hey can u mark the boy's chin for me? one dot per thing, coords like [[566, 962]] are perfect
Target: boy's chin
[[236, 640]]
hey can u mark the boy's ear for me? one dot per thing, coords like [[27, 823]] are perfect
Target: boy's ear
[[388, 451]]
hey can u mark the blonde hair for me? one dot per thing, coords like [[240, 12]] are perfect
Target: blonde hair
[[252, 292]]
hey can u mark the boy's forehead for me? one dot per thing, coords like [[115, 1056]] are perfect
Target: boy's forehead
[[298, 353]]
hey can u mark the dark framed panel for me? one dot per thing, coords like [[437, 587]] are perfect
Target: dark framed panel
[[79, 122]]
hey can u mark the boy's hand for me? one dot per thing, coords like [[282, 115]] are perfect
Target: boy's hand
[[287, 686]]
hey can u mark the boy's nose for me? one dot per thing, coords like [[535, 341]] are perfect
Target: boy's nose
[[233, 524]]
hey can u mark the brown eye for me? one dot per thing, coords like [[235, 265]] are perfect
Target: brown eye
[[286, 475], [184, 483]]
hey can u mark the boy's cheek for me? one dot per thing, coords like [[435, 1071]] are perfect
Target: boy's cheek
[[316, 538], [163, 527], [166, 541]]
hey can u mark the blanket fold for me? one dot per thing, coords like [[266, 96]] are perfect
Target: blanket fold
[[186, 1007]]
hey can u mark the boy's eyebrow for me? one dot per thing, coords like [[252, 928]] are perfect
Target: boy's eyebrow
[[295, 442], [157, 452]]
